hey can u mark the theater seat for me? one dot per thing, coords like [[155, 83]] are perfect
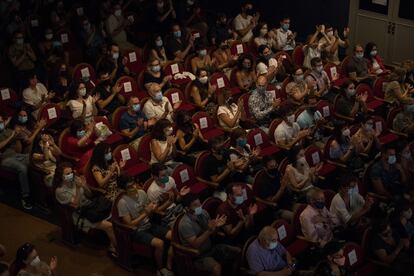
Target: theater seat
[[133, 166], [184, 176], [206, 125]]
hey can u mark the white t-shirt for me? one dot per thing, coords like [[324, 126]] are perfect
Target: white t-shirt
[[33, 97], [282, 40], [262, 68], [153, 110], [284, 132], [310, 53], [155, 192], [76, 107], [223, 109], [241, 23], [338, 207]]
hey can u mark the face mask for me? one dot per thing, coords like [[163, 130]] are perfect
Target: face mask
[[22, 119], [408, 214], [340, 261], [160, 4], [87, 27], [410, 108], [319, 204], [20, 41], [319, 69], [190, 2], [68, 177], [158, 43], [115, 55], [285, 27], [2, 126], [247, 66], [203, 52], [35, 261], [158, 96], [291, 119], [238, 200], [350, 92], [368, 127], [82, 92], [392, 159], [80, 133], [108, 156], [261, 89], [346, 132], [242, 142], [373, 53], [136, 107], [272, 245], [118, 13], [198, 211], [330, 33], [203, 80], [299, 78], [359, 55], [169, 131], [263, 32], [49, 36], [156, 68], [164, 180], [177, 34]]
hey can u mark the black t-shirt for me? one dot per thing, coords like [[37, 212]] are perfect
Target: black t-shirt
[[378, 243], [103, 95], [214, 166], [150, 78], [269, 186], [173, 46]]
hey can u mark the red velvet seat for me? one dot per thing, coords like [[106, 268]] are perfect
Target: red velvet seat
[[51, 113], [113, 139], [356, 262], [133, 166], [314, 156], [134, 61], [221, 81], [372, 103], [206, 125], [85, 71], [258, 138], [385, 136], [184, 176], [144, 149], [8, 101], [129, 87], [175, 95]]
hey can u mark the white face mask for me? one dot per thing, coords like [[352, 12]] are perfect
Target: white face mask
[[82, 92], [408, 214], [203, 80], [330, 33], [272, 245], [35, 261], [168, 131], [118, 12], [291, 119], [346, 132]]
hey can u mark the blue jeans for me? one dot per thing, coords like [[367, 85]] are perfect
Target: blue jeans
[[19, 163]]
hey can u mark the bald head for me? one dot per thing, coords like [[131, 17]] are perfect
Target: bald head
[[267, 235]]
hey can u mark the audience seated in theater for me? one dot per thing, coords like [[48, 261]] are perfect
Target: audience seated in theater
[[154, 74], [80, 142], [158, 106], [262, 104], [28, 262], [245, 74], [202, 60], [224, 60], [375, 63], [403, 121], [229, 112], [365, 139], [333, 41], [203, 92], [357, 67], [348, 103], [318, 80], [113, 62], [267, 65], [157, 49], [245, 22], [312, 49], [288, 133], [116, 24], [396, 90], [36, 95], [316, 220], [196, 229], [262, 36], [72, 190], [297, 89], [105, 170], [221, 31], [178, 44], [334, 260], [93, 40], [266, 255], [136, 209], [26, 129], [285, 38], [108, 94], [81, 103]]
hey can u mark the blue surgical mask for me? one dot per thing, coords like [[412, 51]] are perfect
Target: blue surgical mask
[[80, 133], [319, 204], [353, 191], [242, 142], [22, 119], [177, 34], [359, 55], [2, 126], [198, 211], [136, 107], [158, 96], [272, 245], [238, 200], [392, 159], [108, 156], [285, 27], [68, 177]]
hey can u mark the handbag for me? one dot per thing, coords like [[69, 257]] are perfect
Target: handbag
[[98, 210]]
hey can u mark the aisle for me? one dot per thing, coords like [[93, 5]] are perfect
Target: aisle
[[17, 227]]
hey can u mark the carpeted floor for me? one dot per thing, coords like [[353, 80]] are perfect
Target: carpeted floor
[[17, 227]]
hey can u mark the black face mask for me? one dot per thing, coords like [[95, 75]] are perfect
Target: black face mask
[[106, 83]]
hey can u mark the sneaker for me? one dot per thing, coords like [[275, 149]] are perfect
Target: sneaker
[[26, 203]]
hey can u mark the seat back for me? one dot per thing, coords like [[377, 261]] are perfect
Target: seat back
[[174, 95], [284, 231], [51, 113], [332, 70], [84, 71], [329, 195], [211, 205], [8, 101], [344, 64], [379, 124], [116, 116], [237, 48], [129, 87], [172, 68], [327, 148], [298, 56], [62, 141], [392, 113], [258, 138], [246, 245], [354, 256], [379, 87], [134, 61], [203, 120], [126, 153], [272, 128], [365, 88], [256, 182], [325, 108], [296, 219], [199, 167], [144, 148], [183, 176], [221, 81], [313, 155], [245, 99]]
